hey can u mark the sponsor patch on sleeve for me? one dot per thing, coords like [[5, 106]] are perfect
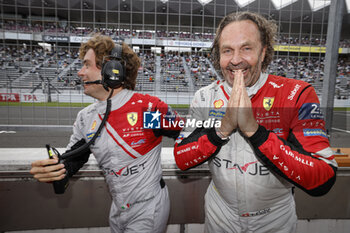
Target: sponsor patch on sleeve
[[180, 137], [91, 135], [310, 111], [314, 132]]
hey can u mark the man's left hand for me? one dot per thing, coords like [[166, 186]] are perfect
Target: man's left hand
[[246, 120]]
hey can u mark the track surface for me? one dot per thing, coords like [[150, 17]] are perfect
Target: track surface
[[33, 127]]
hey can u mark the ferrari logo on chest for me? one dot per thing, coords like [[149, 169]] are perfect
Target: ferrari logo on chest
[[268, 102], [132, 118]]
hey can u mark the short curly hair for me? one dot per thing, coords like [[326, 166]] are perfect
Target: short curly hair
[[267, 29], [102, 46]]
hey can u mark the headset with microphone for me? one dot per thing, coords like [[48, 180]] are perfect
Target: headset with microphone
[[93, 82], [113, 70], [113, 76]]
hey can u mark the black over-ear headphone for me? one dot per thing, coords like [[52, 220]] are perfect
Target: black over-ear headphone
[[113, 70]]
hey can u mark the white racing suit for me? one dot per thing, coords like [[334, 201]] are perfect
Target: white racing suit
[[129, 157], [252, 178]]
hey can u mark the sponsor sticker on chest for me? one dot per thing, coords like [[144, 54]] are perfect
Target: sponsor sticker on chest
[[265, 113], [217, 109], [269, 115]]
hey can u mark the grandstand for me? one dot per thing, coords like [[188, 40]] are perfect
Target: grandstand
[[181, 72], [43, 58]]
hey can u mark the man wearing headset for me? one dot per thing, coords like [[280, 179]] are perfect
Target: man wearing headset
[[128, 154]]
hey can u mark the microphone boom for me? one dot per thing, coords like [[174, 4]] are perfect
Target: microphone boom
[[93, 82]]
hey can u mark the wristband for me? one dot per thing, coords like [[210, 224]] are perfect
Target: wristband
[[220, 135]]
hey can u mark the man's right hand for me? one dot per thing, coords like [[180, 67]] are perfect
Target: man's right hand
[[47, 170], [229, 121]]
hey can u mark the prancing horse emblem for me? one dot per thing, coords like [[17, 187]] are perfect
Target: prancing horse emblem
[[132, 118], [268, 102]]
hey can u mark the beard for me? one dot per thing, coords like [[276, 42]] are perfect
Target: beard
[[251, 73]]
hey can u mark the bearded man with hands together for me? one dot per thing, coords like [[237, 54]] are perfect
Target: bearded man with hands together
[[271, 138]]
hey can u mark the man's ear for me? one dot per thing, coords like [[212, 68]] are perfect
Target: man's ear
[[99, 66], [263, 52]]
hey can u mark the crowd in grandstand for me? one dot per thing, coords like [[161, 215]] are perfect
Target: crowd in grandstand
[[309, 69], [54, 28], [173, 74], [176, 71], [46, 28], [202, 71]]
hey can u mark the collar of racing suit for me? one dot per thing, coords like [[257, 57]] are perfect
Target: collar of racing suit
[[251, 90], [117, 101]]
